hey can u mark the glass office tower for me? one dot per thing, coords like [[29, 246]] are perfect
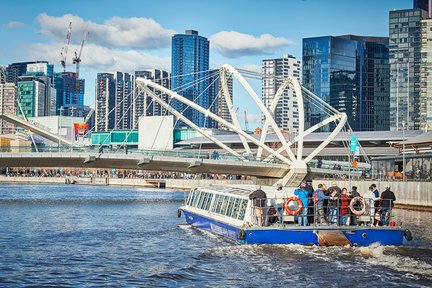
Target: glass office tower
[[351, 73], [190, 62]]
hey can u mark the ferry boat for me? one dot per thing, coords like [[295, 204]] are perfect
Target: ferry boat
[[228, 211]]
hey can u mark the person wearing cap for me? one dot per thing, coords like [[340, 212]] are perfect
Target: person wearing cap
[[335, 187], [387, 202]]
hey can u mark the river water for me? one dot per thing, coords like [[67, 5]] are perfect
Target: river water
[[86, 236]]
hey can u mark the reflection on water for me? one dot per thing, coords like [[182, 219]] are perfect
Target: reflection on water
[[66, 235]]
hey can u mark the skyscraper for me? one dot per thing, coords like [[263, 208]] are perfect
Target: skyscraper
[[31, 96], [217, 100], [70, 94], [274, 72], [190, 62], [113, 107], [351, 73], [7, 105], [143, 104], [405, 62]]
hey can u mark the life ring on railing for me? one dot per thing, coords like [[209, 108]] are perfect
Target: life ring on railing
[[288, 209], [362, 202]]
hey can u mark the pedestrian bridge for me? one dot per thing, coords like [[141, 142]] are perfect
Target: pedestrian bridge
[[185, 162]]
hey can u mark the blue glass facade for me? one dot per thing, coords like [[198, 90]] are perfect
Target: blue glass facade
[[190, 62], [70, 93], [351, 73]]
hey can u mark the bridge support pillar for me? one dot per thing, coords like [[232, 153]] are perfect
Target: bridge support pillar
[[295, 175]]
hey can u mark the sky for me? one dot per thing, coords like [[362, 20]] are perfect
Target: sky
[[129, 35]]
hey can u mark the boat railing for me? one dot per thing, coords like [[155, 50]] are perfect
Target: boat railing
[[337, 211]]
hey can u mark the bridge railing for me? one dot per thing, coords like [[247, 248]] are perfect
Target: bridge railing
[[95, 150]]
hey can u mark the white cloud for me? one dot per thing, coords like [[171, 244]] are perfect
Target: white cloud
[[234, 44], [138, 33], [14, 25], [100, 58]]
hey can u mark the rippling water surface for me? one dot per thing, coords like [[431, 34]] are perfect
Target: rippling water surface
[[81, 236]]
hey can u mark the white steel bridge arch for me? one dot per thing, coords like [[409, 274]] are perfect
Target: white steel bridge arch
[[296, 163]]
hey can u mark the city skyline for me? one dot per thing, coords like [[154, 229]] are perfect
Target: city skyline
[[125, 39]]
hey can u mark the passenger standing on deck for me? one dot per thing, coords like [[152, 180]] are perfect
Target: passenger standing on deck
[[376, 203], [344, 210], [303, 195], [318, 199], [387, 203], [310, 191], [279, 206], [369, 198], [333, 207], [335, 187], [354, 193], [259, 198]]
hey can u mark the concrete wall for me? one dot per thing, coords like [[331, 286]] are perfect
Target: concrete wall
[[407, 193]]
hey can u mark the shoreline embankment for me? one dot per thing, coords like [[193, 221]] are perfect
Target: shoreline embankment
[[410, 195]]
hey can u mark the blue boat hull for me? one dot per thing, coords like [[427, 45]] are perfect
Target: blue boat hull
[[358, 236]]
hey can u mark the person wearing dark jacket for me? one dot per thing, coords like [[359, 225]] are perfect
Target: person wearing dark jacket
[[387, 202], [310, 191], [259, 198]]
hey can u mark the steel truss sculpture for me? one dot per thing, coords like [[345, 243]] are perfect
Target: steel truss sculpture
[[296, 164]]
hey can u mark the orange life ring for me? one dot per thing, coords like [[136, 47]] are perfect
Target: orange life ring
[[362, 202], [288, 209]]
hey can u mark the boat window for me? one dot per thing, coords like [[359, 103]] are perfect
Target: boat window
[[191, 196], [242, 210], [230, 206], [224, 205], [196, 198], [209, 200], [202, 199], [217, 204], [235, 210]]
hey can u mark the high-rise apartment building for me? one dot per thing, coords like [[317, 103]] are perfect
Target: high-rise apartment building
[[7, 105], [217, 102], [70, 94], [144, 105], [15, 70], [405, 64], [425, 99], [31, 96], [190, 64], [274, 71], [351, 73], [114, 101]]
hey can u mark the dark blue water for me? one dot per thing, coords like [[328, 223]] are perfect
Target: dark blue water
[[86, 236]]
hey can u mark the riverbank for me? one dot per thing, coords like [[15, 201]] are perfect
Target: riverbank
[[409, 195]]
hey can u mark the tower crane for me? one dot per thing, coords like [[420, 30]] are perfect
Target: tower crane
[[65, 47], [77, 58]]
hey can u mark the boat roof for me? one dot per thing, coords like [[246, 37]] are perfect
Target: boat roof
[[243, 190]]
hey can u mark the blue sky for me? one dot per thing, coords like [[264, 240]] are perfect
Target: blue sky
[[128, 35]]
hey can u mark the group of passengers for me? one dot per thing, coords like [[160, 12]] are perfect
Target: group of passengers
[[332, 205], [329, 205]]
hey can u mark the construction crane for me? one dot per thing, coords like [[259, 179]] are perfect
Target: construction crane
[[77, 59], [246, 121], [65, 47]]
